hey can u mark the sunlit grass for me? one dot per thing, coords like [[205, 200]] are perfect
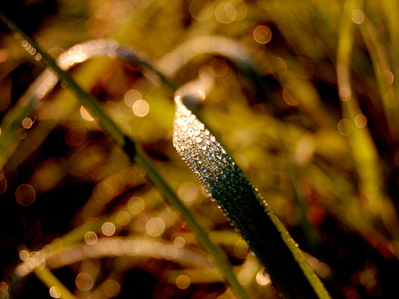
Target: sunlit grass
[[312, 121]]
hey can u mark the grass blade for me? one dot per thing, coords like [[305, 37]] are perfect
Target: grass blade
[[245, 208], [378, 207], [140, 158]]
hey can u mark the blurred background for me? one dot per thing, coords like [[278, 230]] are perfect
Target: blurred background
[[303, 96]]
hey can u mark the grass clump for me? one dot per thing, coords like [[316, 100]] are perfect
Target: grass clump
[[302, 95]]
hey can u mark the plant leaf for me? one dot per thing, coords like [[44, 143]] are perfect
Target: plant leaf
[[243, 205]]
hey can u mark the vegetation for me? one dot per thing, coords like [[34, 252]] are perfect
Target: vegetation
[[96, 202]]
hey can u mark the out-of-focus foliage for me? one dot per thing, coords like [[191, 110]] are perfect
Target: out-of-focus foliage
[[313, 124]]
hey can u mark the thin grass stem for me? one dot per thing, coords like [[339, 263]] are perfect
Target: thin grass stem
[[56, 288]]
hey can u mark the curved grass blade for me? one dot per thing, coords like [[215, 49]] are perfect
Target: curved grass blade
[[41, 87], [114, 247], [391, 7], [364, 153], [216, 45], [376, 47], [137, 154], [244, 207]]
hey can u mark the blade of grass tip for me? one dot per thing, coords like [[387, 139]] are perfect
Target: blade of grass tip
[[244, 207], [56, 288], [354, 126], [140, 158]]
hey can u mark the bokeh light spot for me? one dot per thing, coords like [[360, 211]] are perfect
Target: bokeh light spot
[[27, 123], [241, 9], [3, 287], [183, 282], [358, 16], [85, 114], [345, 127], [141, 108], [108, 229], [262, 278], [49, 173], [360, 121], [21, 133], [288, 98], [25, 195], [75, 135], [155, 227], [103, 193], [24, 255], [225, 13], [55, 292], [170, 252], [132, 96], [111, 288], [78, 165], [389, 77], [84, 281], [136, 204], [91, 238], [345, 93], [123, 218], [262, 34], [391, 100], [188, 191], [218, 68], [57, 244], [179, 242], [4, 55]]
